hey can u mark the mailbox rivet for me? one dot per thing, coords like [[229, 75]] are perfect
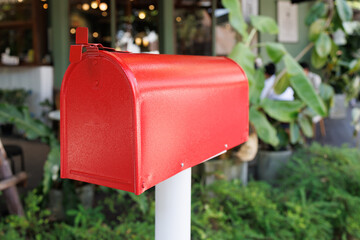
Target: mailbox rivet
[[226, 145], [95, 62], [182, 164]]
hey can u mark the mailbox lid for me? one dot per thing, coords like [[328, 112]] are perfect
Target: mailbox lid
[[98, 143]]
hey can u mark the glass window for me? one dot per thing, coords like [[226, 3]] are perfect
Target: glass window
[[193, 27], [94, 16], [23, 37], [137, 26], [15, 10]]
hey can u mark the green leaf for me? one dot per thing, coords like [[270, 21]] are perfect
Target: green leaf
[[283, 111], [275, 51], [326, 92], [294, 133], [235, 17], [264, 24], [306, 125], [264, 129], [318, 10], [303, 87], [344, 10], [323, 45], [334, 49], [317, 61], [316, 28], [51, 167], [282, 84], [256, 87], [354, 66], [244, 57]]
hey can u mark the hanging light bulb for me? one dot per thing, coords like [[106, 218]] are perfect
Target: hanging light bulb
[[142, 15], [138, 41], [145, 42], [85, 7], [94, 4], [103, 6]]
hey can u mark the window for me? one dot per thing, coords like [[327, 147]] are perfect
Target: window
[[23, 26]]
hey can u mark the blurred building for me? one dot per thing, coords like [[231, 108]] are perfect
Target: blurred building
[[35, 35]]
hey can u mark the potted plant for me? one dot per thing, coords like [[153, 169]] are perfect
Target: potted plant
[[62, 194], [268, 116], [336, 51]]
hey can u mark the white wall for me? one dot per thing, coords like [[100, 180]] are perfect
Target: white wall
[[39, 80]]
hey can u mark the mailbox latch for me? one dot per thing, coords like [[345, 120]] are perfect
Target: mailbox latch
[[76, 51]]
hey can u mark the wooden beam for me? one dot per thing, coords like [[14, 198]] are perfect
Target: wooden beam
[[13, 181], [10, 194]]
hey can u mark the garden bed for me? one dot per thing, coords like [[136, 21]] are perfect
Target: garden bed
[[316, 197]]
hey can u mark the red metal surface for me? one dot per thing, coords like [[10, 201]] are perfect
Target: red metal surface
[[130, 121]]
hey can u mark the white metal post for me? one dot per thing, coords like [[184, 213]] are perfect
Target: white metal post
[[173, 207]]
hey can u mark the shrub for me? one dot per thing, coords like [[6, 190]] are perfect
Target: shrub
[[316, 197]]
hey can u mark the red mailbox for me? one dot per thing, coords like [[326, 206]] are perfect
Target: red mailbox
[[130, 121]]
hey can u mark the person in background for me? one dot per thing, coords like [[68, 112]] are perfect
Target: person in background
[[268, 90], [313, 77]]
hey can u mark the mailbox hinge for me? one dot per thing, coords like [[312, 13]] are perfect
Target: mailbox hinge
[[76, 51]]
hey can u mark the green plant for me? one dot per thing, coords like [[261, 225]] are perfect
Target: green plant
[[35, 221], [15, 97], [337, 56], [317, 197], [292, 75], [34, 129]]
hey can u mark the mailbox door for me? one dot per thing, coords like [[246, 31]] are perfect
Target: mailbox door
[[98, 124]]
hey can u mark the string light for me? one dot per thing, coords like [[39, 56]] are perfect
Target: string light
[[103, 7], [45, 6], [85, 7], [178, 19], [138, 41], [72, 30], [142, 15], [145, 42], [94, 4], [95, 34], [104, 14], [151, 7]]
